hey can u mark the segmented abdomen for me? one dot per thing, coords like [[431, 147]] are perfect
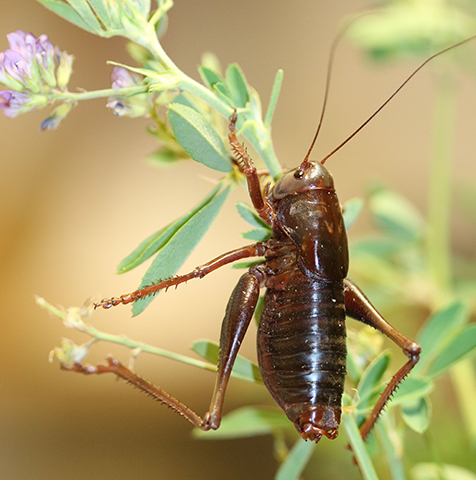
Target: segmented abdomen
[[302, 347]]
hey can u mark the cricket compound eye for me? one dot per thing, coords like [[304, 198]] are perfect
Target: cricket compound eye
[[313, 176]]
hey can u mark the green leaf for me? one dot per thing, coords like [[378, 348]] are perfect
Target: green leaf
[[241, 265], [354, 369], [461, 346], [296, 461], [371, 380], [101, 10], [243, 368], [405, 29], [262, 231], [198, 138], [382, 248], [143, 6], [190, 101], [246, 422], [162, 79], [259, 309], [163, 157], [352, 209], [437, 331], [172, 256], [411, 389], [437, 471], [396, 215], [222, 90], [255, 111], [416, 414], [249, 215], [390, 447], [65, 11], [209, 77], [156, 241], [278, 80], [358, 448], [84, 10], [210, 61], [237, 85], [258, 234]]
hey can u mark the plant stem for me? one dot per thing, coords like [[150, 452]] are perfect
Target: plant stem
[[263, 147], [438, 240], [464, 380], [393, 450], [358, 447], [146, 348], [107, 92], [439, 199], [296, 461]]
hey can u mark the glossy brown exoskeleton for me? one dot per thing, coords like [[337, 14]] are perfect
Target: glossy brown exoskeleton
[[301, 335]]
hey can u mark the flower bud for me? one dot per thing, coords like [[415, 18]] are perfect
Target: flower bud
[[65, 69], [128, 105], [59, 113], [69, 353], [13, 103]]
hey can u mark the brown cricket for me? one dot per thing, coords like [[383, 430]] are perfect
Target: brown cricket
[[302, 334]]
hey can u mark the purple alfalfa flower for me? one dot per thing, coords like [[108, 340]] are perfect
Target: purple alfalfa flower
[[12, 102], [30, 47], [30, 63], [33, 70], [123, 78], [34, 50], [127, 105], [27, 59], [14, 70]]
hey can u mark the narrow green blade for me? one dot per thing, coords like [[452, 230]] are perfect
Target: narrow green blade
[[396, 215], [249, 215], [371, 380], [83, 8], [246, 422], [352, 209], [157, 240], [296, 462], [358, 447], [417, 414], [243, 368], [198, 138], [237, 85], [101, 10], [63, 10], [437, 331], [179, 247], [462, 345]]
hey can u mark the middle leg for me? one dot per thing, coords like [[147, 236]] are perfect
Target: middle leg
[[239, 312]]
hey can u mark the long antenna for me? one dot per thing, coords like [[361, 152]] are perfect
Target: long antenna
[[393, 95], [330, 63]]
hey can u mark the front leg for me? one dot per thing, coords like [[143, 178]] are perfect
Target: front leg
[[256, 250], [358, 306], [244, 162], [239, 312]]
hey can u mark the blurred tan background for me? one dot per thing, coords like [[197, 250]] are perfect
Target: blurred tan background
[[75, 201]]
